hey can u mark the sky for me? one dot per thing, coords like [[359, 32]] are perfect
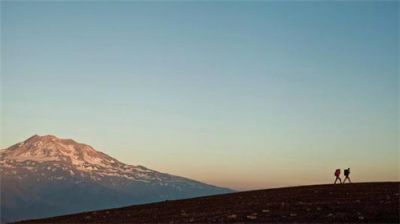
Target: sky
[[245, 95]]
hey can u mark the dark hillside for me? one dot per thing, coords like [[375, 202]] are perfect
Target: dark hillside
[[347, 203]]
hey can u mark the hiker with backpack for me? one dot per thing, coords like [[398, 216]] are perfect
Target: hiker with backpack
[[346, 174], [337, 175]]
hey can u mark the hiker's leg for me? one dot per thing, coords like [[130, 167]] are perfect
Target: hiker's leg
[[340, 179], [336, 180]]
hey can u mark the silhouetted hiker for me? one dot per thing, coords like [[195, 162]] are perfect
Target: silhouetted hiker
[[337, 175], [346, 174]]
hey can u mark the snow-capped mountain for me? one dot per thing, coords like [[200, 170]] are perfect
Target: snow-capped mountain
[[47, 176]]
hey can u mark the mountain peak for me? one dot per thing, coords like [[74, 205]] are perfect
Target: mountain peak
[[51, 148], [45, 172], [36, 138]]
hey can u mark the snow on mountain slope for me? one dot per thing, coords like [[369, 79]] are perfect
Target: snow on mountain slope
[[46, 175], [72, 157], [50, 148]]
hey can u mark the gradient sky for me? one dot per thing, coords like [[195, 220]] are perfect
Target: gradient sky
[[239, 94]]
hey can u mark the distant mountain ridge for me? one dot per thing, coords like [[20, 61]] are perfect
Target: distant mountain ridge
[[46, 176]]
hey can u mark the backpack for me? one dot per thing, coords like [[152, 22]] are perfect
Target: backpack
[[337, 172], [346, 172]]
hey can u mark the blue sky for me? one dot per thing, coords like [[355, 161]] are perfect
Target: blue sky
[[240, 94]]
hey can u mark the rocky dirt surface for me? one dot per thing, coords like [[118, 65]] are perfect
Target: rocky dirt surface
[[346, 203]]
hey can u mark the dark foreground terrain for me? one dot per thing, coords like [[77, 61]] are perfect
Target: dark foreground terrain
[[349, 203]]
